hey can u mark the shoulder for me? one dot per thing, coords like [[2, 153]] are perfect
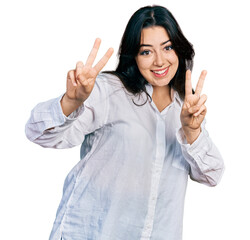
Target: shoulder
[[106, 84], [108, 78], [111, 82]]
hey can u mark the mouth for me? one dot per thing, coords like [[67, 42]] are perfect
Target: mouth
[[160, 72]]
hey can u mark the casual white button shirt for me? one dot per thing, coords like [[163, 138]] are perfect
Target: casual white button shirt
[[131, 180]]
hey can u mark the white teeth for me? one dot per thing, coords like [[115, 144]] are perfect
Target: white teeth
[[160, 72]]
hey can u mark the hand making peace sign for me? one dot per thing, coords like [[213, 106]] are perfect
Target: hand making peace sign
[[81, 80], [193, 110]]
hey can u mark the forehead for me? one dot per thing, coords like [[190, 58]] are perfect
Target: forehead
[[154, 35]]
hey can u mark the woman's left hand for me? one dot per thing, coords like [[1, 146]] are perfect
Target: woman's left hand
[[193, 110]]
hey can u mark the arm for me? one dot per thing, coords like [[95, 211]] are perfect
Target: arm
[[205, 160], [206, 163], [49, 127], [60, 123]]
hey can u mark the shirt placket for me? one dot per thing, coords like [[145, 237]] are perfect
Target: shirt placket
[[157, 166]]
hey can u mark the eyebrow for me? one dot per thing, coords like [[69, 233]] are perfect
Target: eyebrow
[[148, 45]]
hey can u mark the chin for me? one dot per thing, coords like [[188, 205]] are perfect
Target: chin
[[161, 83]]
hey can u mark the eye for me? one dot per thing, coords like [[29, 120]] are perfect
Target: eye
[[168, 48], [145, 52]]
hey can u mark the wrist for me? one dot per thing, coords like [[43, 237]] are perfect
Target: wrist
[[191, 134], [69, 105]]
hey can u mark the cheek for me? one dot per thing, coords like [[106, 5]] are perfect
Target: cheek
[[143, 64], [173, 59]]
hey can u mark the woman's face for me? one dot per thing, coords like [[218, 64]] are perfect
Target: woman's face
[[156, 60]]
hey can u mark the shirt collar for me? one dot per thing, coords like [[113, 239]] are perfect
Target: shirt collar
[[173, 94]]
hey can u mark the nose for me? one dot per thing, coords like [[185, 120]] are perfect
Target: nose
[[159, 60]]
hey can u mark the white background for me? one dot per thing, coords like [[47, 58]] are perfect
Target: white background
[[41, 40]]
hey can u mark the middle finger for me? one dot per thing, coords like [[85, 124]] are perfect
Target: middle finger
[[200, 83], [98, 67]]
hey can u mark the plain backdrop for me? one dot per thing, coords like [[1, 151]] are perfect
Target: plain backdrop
[[42, 40]]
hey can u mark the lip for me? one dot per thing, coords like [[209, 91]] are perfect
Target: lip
[[160, 72], [161, 69]]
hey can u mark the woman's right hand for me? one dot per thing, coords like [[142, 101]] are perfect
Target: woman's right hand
[[81, 80]]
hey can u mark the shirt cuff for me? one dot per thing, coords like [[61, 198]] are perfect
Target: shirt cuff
[[59, 119], [74, 115], [197, 150]]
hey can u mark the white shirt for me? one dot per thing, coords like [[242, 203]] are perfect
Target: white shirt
[[131, 180]]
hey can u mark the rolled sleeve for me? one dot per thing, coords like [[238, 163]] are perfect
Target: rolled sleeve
[[205, 160], [47, 119]]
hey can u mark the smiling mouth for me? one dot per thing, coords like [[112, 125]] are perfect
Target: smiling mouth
[[160, 73]]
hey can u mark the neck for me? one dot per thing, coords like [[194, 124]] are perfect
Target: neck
[[161, 97]]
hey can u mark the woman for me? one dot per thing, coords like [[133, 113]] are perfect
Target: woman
[[142, 133]]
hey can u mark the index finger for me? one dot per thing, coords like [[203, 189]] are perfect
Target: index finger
[[200, 83], [103, 61], [93, 53], [188, 83]]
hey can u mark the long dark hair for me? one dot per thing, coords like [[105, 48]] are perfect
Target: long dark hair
[[127, 69]]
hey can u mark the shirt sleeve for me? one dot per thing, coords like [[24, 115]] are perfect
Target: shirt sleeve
[[49, 127], [206, 163]]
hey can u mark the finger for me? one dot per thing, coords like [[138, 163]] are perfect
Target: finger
[[99, 66], [79, 67], [202, 100], [202, 111], [200, 83], [188, 83], [197, 106], [93, 53], [87, 76], [71, 78]]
